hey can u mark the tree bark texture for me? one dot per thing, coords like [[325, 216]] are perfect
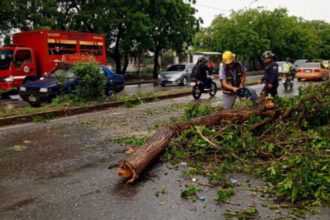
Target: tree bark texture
[[155, 71], [137, 162]]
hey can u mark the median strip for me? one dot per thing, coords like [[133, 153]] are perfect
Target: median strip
[[69, 111]]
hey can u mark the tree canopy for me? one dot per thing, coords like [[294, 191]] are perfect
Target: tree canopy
[[130, 26], [249, 32]]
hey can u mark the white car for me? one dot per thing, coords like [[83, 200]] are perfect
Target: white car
[[179, 74]]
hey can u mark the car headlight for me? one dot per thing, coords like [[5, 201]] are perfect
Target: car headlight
[[43, 90], [9, 79], [23, 89]]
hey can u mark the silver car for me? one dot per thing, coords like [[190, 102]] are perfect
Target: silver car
[[179, 74]]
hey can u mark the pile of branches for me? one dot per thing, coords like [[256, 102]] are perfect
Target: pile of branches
[[290, 150], [288, 146]]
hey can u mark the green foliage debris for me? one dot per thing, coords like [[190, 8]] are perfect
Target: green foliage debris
[[224, 195], [131, 141], [251, 212], [197, 109], [292, 153], [190, 192]]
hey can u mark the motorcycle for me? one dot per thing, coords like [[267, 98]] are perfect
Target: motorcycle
[[199, 88], [288, 81]]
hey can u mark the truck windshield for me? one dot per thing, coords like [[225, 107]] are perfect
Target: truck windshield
[[6, 56]]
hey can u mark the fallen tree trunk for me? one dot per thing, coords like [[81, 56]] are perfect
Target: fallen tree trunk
[[138, 161]]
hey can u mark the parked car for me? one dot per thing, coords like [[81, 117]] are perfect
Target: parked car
[[312, 71], [179, 74], [62, 80]]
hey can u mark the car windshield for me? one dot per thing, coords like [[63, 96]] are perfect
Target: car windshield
[[6, 56], [299, 62], [314, 65], [62, 72], [176, 68]]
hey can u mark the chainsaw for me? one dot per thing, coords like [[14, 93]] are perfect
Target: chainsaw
[[243, 94]]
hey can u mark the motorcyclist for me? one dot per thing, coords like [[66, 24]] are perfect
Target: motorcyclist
[[288, 69], [232, 76], [203, 73], [271, 75]]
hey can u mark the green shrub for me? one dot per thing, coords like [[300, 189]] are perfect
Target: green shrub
[[92, 82]]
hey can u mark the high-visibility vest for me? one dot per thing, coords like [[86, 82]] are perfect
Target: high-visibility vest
[[286, 68]]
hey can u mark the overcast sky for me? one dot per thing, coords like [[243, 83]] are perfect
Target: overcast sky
[[307, 9]]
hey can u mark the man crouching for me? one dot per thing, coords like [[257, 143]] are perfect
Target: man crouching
[[232, 76]]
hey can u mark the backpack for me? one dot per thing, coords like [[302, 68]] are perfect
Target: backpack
[[195, 72]]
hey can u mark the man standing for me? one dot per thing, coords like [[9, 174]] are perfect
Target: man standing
[[271, 75], [232, 76]]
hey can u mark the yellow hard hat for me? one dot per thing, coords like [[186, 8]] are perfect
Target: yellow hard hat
[[228, 57]]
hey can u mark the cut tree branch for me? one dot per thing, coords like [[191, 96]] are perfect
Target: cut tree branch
[[143, 157]]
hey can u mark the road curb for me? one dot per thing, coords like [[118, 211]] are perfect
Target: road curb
[[79, 110]]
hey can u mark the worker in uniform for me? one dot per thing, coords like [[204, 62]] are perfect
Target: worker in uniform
[[232, 75], [271, 75]]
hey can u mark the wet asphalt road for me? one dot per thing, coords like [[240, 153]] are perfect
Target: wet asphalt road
[[58, 170]]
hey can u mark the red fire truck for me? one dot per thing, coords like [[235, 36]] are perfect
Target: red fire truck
[[36, 53]]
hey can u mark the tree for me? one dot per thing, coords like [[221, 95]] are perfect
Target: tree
[[5, 9], [7, 40], [173, 25], [131, 27], [124, 24], [249, 33], [35, 14], [128, 30]]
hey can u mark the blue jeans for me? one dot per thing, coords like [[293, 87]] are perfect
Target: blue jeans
[[207, 82]]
